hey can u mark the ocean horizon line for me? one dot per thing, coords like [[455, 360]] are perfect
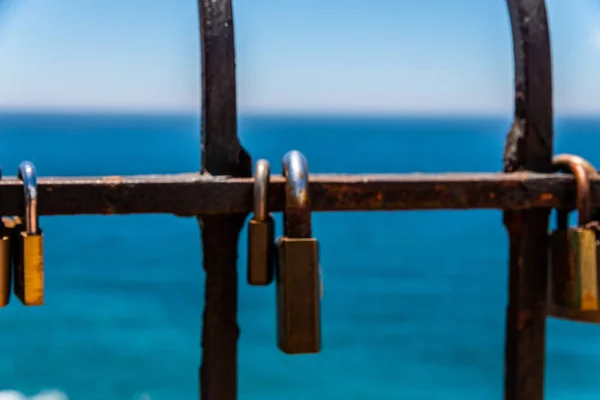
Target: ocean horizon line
[[280, 114], [316, 115]]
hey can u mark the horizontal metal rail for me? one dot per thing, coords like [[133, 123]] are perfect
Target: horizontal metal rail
[[194, 194]]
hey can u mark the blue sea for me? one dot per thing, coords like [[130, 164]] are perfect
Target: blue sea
[[414, 302]]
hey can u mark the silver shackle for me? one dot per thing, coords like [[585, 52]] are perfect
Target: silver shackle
[[28, 176], [261, 187]]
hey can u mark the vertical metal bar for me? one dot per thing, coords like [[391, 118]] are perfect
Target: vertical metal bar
[[222, 154], [529, 146]]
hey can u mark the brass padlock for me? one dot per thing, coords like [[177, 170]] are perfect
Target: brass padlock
[[298, 271], [8, 227], [261, 231], [5, 260], [5, 264], [573, 278], [28, 260]]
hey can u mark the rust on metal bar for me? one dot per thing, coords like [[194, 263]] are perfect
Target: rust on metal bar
[[529, 146], [222, 154], [193, 194]]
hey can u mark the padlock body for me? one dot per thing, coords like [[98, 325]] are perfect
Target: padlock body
[[298, 295], [261, 251], [5, 268], [574, 276], [29, 269]]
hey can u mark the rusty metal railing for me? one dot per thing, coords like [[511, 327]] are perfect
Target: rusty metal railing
[[221, 197]]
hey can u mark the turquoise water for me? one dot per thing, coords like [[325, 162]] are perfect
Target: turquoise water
[[414, 301]]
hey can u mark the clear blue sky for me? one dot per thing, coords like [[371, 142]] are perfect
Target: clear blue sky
[[400, 56]]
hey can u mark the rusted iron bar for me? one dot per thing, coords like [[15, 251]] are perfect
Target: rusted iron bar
[[192, 194], [222, 154], [529, 146]]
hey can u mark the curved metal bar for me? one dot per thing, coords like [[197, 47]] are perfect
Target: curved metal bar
[[28, 175], [529, 146], [262, 177], [296, 214]]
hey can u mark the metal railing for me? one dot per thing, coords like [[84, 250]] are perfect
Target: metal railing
[[221, 196]]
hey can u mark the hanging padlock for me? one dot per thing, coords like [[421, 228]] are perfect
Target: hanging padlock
[[298, 275], [28, 260], [573, 276], [261, 233], [5, 264], [5, 260], [10, 228]]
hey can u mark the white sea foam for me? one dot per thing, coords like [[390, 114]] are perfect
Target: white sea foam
[[46, 395]]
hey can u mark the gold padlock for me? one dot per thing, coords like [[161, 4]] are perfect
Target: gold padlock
[[5, 265], [5, 258], [298, 271], [28, 260], [9, 226], [261, 231], [573, 278]]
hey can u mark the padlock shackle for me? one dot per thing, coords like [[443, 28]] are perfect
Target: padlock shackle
[[262, 175], [296, 214], [562, 162], [589, 167], [581, 170], [28, 175]]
